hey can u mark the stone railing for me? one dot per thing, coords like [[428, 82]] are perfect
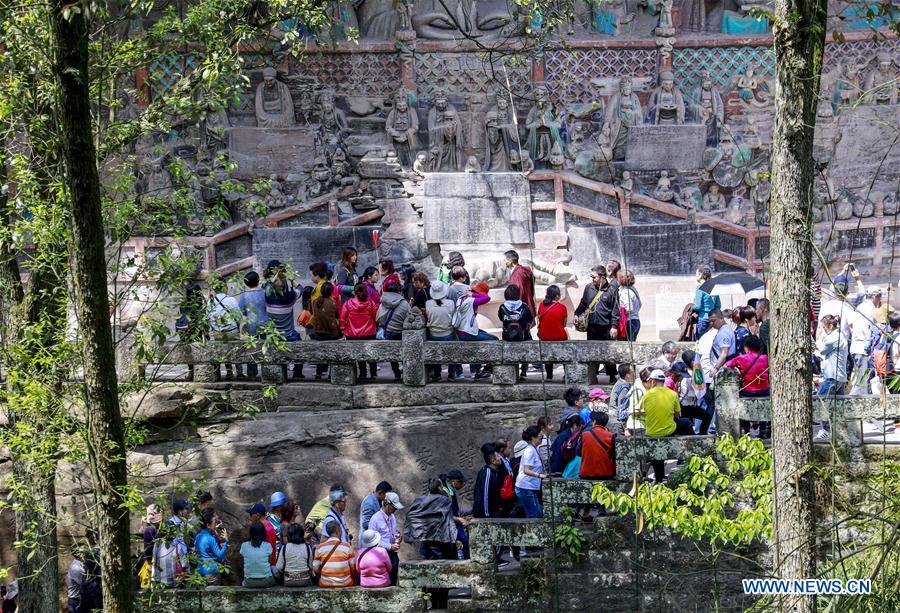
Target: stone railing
[[414, 352]]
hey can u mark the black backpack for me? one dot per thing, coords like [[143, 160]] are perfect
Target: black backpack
[[513, 330]]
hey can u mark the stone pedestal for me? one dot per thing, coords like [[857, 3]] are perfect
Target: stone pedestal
[[412, 357], [206, 373], [272, 373], [727, 401], [343, 374], [505, 374], [575, 373]]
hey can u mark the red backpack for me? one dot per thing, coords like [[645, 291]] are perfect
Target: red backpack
[[569, 449]]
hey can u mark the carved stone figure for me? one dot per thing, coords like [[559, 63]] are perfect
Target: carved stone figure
[[891, 204], [435, 117], [379, 19], [623, 112], [342, 173], [496, 147], [665, 26], [471, 164], [578, 135], [274, 105], [420, 166], [557, 159], [543, 125], [320, 178], [485, 19], [448, 133], [667, 102], [627, 183], [307, 104], [663, 190], [331, 119], [526, 164], [595, 161], [401, 125], [343, 16], [738, 213], [215, 132], [713, 200], [710, 109], [881, 84]]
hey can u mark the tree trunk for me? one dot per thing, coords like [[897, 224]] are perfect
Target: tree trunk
[[106, 441], [799, 31]]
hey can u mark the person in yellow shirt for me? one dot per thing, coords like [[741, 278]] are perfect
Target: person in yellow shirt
[[663, 414]]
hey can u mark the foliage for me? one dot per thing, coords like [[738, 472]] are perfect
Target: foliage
[[727, 499], [567, 538]]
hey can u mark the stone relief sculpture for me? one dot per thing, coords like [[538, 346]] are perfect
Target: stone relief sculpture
[[447, 142], [710, 109], [623, 112], [543, 126], [595, 160], [496, 146], [663, 190], [667, 101], [713, 199], [274, 105], [331, 119], [881, 84], [401, 125], [380, 19], [452, 19]]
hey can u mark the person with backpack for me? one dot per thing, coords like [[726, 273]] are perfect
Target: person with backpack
[[517, 320], [465, 318], [532, 472], [358, 323], [439, 310], [883, 350], [552, 315], [281, 295], [391, 314], [703, 302], [294, 563], [568, 450], [326, 325], [598, 315], [224, 317], [598, 449], [347, 277], [252, 305]]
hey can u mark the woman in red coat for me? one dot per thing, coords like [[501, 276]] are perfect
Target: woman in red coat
[[552, 316], [358, 323]]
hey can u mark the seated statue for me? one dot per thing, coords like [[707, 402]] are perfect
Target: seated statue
[[663, 190], [881, 84], [274, 105], [667, 102]]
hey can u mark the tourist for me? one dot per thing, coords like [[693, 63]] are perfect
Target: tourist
[[257, 554], [390, 317], [211, 545], [601, 304], [745, 318], [762, 319], [439, 325], [663, 413], [598, 451], [294, 563], [517, 320], [521, 277], [552, 316], [326, 325], [840, 307], [723, 345], [574, 399], [9, 594], [882, 307], [320, 509], [170, 558], [429, 521], [280, 299], [388, 274], [373, 564], [861, 329], [256, 512], [668, 356], [619, 393], [192, 324], [630, 301], [150, 524], [347, 277], [406, 282], [568, 449], [178, 523], [333, 562], [358, 324], [252, 305], [884, 353], [833, 350], [486, 494], [703, 302], [454, 482], [75, 579], [370, 280], [753, 366], [421, 290], [544, 447], [272, 523], [384, 522], [453, 259], [597, 401], [290, 511], [335, 517], [465, 318], [224, 316], [636, 422], [372, 503], [531, 473], [687, 398]]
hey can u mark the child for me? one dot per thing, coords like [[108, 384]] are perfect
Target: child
[[517, 320]]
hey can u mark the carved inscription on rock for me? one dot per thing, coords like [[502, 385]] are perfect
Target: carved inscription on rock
[[864, 238], [678, 147], [267, 151], [485, 208]]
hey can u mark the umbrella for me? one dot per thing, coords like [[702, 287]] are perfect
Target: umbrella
[[731, 283]]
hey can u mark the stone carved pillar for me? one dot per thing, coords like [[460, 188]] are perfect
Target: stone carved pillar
[[406, 45], [727, 404], [343, 374], [576, 374], [412, 354], [206, 373], [505, 374], [272, 373]]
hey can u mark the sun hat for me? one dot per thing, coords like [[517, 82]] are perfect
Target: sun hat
[[393, 499], [439, 290], [658, 375], [153, 515], [481, 288], [370, 538], [277, 499], [519, 449], [598, 394]]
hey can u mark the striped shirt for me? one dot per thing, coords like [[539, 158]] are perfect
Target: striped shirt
[[338, 570]]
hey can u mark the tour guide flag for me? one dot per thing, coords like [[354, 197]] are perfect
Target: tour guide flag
[[375, 239]]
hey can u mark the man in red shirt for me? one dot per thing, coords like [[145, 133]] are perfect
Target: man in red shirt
[[521, 276]]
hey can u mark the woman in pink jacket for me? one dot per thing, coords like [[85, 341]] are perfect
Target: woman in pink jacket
[[358, 323]]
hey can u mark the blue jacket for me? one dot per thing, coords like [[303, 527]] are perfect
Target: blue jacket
[[209, 552], [703, 304], [556, 459]]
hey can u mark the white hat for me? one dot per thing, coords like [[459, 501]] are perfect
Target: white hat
[[519, 449], [658, 375], [875, 291], [393, 499], [439, 290], [370, 538]]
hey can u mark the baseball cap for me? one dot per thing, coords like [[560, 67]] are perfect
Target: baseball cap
[[393, 499], [277, 499], [519, 449], [457, 474], [681, 368], [258, 508], [658, 375]]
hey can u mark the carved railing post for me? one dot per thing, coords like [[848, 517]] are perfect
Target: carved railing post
[[576, 374], [343, 374], [206, 373], [728, 404], [412, 354]]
